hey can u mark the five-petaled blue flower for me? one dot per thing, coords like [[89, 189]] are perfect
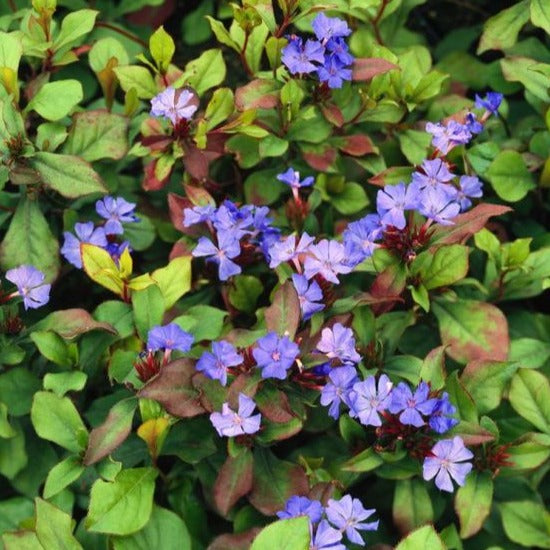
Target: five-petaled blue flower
[[338, 343], [326, 28], [302, 506], [447, 136], [326, 538], [116, 211], [169, 337], [470, 187], [367, 400], [228, 248], [349, 515], [30, 285], [174, 104], [275, 355], [328, 259], [215, 364], [393, 200], [85, 233], [300, 58], [229, 423], [448, 459], [491, 102], [440, 418], [337, 389], [412, 407], [309, 294]]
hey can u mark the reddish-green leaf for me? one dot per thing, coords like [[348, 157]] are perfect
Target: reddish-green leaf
[[234, 481]]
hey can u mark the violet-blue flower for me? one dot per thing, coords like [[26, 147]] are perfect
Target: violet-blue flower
[[334, 72], [433, 173], [215, 364], [116, 211], [447, 136], [292, 178], [328, 259], [299, 58], [448, 459], [85, 233], [326, 538], [116, 249], [339, 49], [326, 28], [348, 515], [229, 423], [491, 102], [338, 342], [309, 294], [393, 200], [412, 406], [337, 389], [297, 506], [197, 214], [367, 400], [228, 248], [288, 248], [436, 205], [360, 238], [470, 187], [230, 218], [173, 104], [472, 124], [30, 285], [440, 418], [169, 337], [275, 355]]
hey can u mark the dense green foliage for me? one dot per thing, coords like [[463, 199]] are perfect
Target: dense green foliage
[[104, 445]]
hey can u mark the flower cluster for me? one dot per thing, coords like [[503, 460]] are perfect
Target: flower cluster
[[328, 57], [115, 211], [234, 230], [31, 286], [329, 524], [175, 105]]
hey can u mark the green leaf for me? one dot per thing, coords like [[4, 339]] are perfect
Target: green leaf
[[139, 78], [426, 538], [461, 399], [234, 480], [195, 28], [530, 353], [412, 506], [62, 475], [70, 323], [528, 452], [540, 14], [174, 280], [448, 265], [111, 434], [351, 200], [509, 176], [54, 527], [365, 461], [29, 240], [219, 107], [6, 430], [473, 502], [13, 456], [501, 30], [244, 292], [13, 511], [486, 382], [526, 523], [472, 330], [162, 48], [101, 268], [17, 387], [433, 368], [74, 26], [285, 534], [62, 382], [53, 348], [96, 135], [205, 72], [105, 50], [414, 145], [123, 506], [69, 175], [527, 71], [148, 306], [56, 419], [530, 397], [164, 531], [283, 315], [56, 100]]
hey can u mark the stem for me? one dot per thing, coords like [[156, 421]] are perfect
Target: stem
[[13, 7], [243, 56], [376, 20], [127, 34]]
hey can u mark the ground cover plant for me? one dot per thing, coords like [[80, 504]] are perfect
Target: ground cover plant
[[274, 275]]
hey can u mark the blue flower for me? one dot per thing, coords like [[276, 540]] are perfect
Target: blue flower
[[338, 343], [448, 459], [366, 400], [309, 294], [169, 337], [412, 407], [229, 423], [174, 104], [328, 259], [326, 28], [215, 364], [197, 214], [433, 173], [348, 515], [326, 538], [334, 72], [230, 218], [116, 211], [300, 58], [292, 178], [228, 248], [393, 200], [436, 205], [85, 233], [447, 136], [491, 102], [337, 389], [339, 49], [286, 249], [360, 238], [302, 506], [470, 187], [439, 419], [30, 285], [275, 355]]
